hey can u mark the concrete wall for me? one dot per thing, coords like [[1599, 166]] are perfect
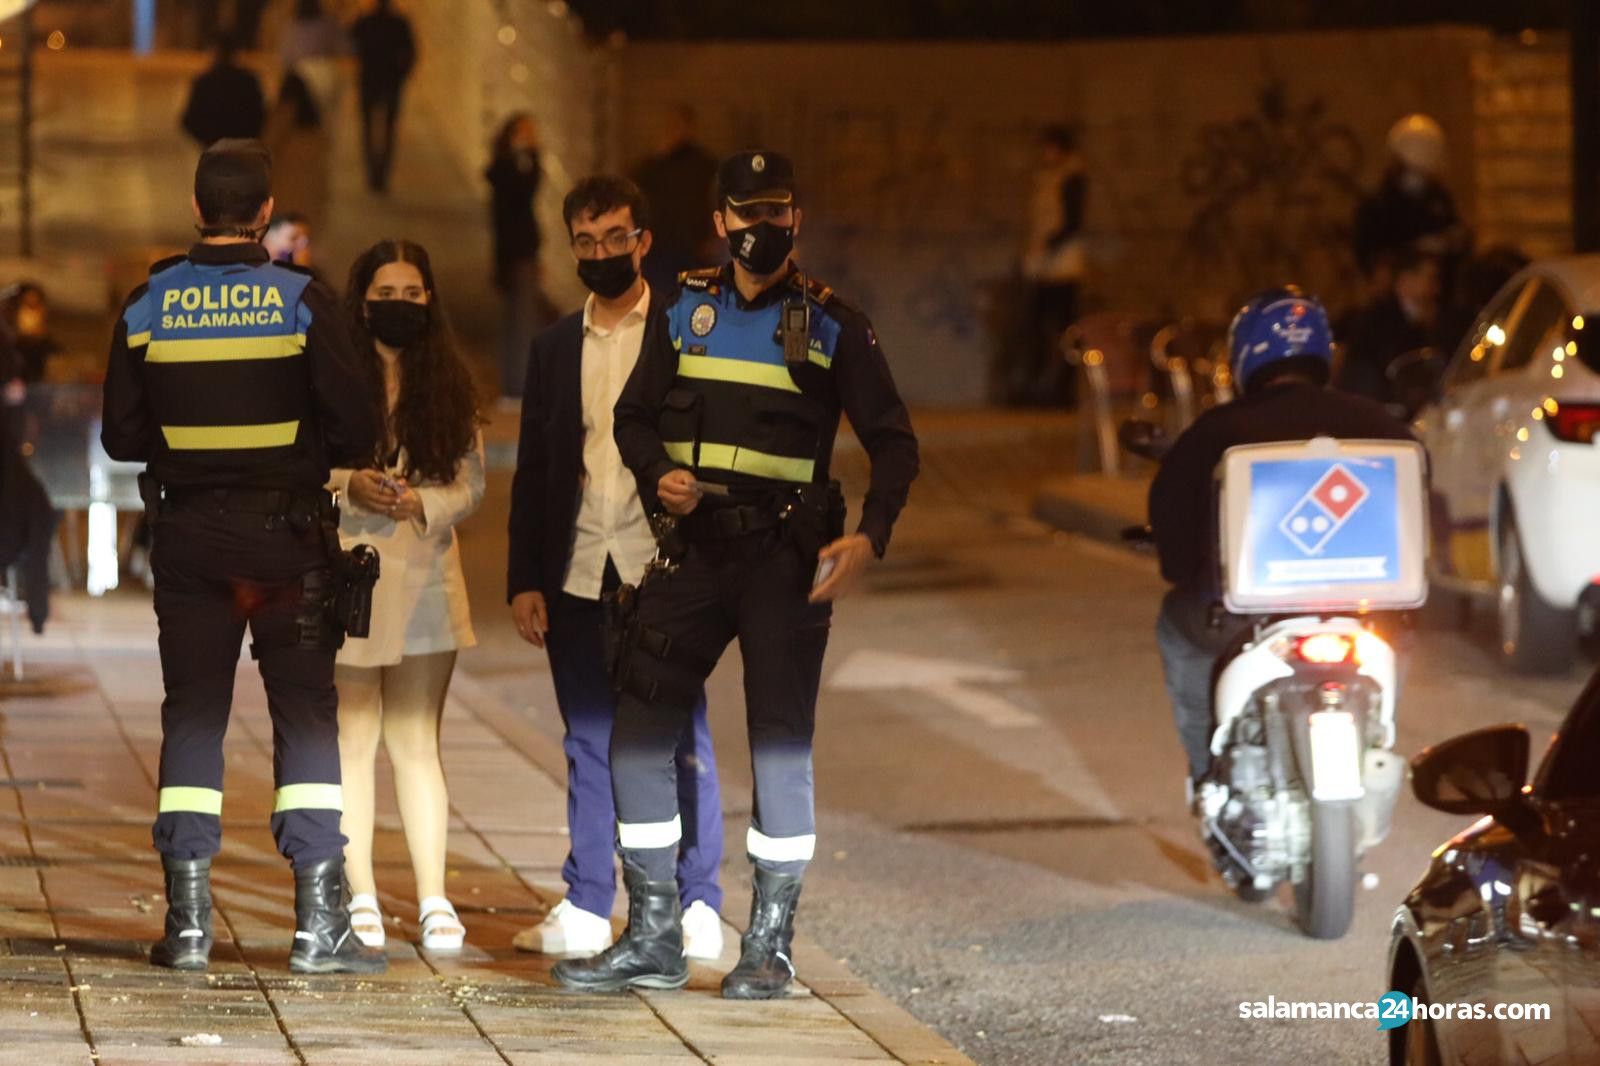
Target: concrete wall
[[1218, 164]]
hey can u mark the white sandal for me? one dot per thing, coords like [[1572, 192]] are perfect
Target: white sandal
[[366, 920], [441, 926]]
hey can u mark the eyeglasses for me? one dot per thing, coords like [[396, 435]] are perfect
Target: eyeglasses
[[617, 242]]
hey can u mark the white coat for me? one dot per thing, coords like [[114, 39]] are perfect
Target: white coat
[[420, 603]]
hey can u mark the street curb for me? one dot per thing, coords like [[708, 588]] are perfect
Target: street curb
[[1092, 505], [888, 1024]]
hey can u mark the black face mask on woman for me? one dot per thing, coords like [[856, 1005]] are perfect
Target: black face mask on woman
[[397, 323], [610, 277], [762, 248]]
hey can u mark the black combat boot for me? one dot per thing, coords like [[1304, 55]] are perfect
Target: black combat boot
[[764, 970], [188, 940], [650, 951], [323, 941]]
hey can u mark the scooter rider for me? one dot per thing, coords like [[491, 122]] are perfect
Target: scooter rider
[[1280, 353]]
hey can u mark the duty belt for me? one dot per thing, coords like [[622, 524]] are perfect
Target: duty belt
[[730, 522]]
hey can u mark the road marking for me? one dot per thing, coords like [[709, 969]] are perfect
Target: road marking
[[944, 680]]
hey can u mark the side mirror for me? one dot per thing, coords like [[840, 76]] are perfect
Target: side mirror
[[1143, 438], [1481, 772]]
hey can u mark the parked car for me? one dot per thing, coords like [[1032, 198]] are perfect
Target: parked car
[[1516, 473], [1509, 910]]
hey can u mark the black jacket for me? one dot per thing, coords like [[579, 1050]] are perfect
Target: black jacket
[[544, 491], [385, 49], [1373, 337], [514, 179], [1182, 505], [225, 101], [319, 385]]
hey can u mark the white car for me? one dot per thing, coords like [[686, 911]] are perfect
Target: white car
[[1516, 473]]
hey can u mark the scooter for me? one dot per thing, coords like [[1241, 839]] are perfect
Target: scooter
[[1303, 776]]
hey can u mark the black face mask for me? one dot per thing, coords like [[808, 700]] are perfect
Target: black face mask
[[610, 277], [397, 323], [762, 248]]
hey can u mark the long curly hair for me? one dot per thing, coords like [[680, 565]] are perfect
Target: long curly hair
[[436, 418]]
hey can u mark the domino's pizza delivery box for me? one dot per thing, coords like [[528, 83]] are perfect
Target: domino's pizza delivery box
[[1323, 525]]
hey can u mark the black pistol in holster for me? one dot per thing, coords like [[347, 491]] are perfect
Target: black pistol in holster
[[352, 575], [813, 517], [620, 609]]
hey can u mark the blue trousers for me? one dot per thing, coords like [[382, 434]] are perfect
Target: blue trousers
[[588, 710]]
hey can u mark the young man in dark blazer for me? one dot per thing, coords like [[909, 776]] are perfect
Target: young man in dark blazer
[[578, 530]]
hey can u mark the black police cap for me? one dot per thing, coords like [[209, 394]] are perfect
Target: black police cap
[[756, 177]]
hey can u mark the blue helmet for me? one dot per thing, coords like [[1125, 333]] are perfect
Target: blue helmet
[[1274, 325]]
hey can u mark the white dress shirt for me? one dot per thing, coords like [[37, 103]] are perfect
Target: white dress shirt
[[611, 520]]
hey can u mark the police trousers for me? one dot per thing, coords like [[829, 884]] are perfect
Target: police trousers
[[216, 573], [751, 588]]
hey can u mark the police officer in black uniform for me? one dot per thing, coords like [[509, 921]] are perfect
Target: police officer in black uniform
[[235, 381], [728, 422]]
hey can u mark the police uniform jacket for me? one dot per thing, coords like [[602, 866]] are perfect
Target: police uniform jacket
[[420, 603], [229, 371], [711, 392]]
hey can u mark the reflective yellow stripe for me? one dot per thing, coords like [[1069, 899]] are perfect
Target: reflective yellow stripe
[[223, 349], [740, 371], [195, 800], [742, 460], [817, 356], [136, 339], [216, 438], [309, 797]]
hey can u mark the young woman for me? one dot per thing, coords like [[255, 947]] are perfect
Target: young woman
[[406, 503]]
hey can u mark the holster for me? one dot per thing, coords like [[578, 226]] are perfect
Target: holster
[[619, 631], [813, 518]]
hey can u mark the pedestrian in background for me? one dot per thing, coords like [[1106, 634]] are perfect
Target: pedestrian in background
[[406, 500], [679, 184], [1053, 263], [1403, 319], [312, 45], [225, 100], [514, 177], [386, 53], [578, 531], [298, 140], [1411, 208]]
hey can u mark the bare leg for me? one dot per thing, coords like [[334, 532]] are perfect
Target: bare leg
[[360, 724], [413, 704]]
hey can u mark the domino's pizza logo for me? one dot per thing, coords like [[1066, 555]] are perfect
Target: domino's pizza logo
[[1324, 509]]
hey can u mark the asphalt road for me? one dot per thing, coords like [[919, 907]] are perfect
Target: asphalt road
[[1003, 846]]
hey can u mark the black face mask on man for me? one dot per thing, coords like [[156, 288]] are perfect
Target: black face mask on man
[[397, 323], [610, 277], [762, 248]]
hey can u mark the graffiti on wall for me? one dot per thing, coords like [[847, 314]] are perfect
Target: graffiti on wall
[[1274, 193]]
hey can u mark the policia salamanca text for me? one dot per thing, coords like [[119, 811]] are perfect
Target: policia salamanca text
[[221, 307]]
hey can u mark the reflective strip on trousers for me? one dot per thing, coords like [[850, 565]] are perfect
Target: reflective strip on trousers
[[780, 849], [743, 460], [192, 800], [224, 438], [647, 835], [220, 349], [309, 797]]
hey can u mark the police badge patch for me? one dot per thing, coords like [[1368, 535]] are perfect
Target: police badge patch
[[703, 318]]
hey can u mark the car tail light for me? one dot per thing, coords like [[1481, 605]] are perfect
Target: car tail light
[[1576, 423], [1325, 649]]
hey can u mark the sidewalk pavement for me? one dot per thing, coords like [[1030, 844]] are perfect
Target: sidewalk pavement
[[80, 903]]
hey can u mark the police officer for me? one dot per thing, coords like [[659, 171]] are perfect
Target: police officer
[[235, 381], [728, 421], [1280, 351]]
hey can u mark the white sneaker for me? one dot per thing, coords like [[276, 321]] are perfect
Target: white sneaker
[[702, 932], [566, 930]]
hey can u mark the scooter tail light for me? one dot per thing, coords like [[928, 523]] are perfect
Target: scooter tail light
[[1325, 649]]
